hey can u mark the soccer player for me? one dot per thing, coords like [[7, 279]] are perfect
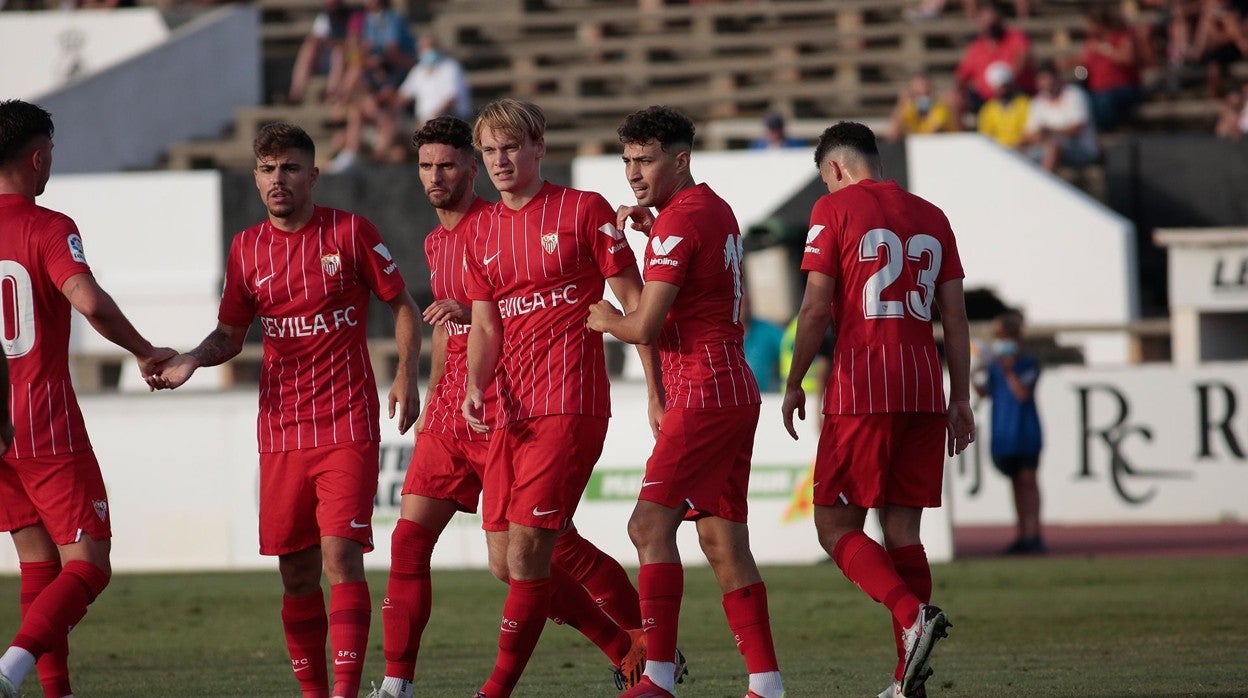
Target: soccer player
[[307, 272], [445, 471], [536, 262], [700, 467], [54, 503], [878, 258]]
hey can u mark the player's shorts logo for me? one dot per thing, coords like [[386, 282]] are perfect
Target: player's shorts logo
[[331, 263], [550, 241], [101, 508]]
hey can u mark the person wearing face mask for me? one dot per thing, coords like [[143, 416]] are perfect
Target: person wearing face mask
[[437, 85], [994, 43], [917, 111], [1017, 438]]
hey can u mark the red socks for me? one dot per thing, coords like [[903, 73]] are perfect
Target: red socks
[[571, 604], [524, 616], [350, 611], [54, 664], [912, 567], [409, 596], [661, 585], [303, 618], [746, 610], [602, 575], [867, 564], [58, 608]]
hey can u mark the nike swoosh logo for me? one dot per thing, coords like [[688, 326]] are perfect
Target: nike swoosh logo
[[358, 525], [340, 662], [261, 282], [647, 484], [491, 258], [302, 668], [538, 512]]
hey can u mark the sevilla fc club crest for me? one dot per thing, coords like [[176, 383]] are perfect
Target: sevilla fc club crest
[[330, 263], [549, 242], [101, 508]]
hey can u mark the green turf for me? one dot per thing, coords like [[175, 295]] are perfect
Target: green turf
[[1062, 627]]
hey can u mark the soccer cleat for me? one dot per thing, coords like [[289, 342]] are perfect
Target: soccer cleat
[[7, 689], [633, 665], [894, 690], [645, 688], [380, 693], [682, 667], [918, 640]]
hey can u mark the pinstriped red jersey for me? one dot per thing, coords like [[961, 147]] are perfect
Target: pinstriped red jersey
[[544, 265], [40, 250], [310, 291], [445, 252], [695, 244], [888, 251]]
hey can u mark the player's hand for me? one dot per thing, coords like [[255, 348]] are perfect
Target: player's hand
[[641, 217], [447, 310], [149, 364], [474, 410], [172, 372], [601, 315], [405, 396], [794, 399], [961, 427], [655, 411]]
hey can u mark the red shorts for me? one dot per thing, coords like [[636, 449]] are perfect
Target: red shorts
[[447, 468], [702, 459], [537, 470], [875, 459], [311, 493], [63, 493]]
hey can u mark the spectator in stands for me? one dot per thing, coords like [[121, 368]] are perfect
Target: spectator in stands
[[918, 111], [1017, 439], [327, 50], [1232, 123], [1004, 117], [1221, 40], [995, 43], [1059, 127], [774, 135], [437, 85], [930, 9], [389, 52], [1111, 59]]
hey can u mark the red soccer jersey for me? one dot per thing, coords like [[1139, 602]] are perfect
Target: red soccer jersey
[[446, 253], [310, 290], [545, 265], [888, 251], [696, 244], [39, 250]]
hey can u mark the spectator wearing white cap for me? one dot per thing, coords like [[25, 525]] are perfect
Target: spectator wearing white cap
[[1003, 118]]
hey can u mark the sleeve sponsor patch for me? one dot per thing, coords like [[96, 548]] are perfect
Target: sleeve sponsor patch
[[74, 241]]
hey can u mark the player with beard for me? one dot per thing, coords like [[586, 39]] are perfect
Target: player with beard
[[307, 272]]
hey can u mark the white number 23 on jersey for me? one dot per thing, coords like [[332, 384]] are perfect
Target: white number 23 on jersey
[[879, 242]]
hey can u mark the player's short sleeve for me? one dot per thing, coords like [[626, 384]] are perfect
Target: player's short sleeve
[[238, 305], [607, 245], [820, 253], [62, 250], [670, 250], [951, 262], [374, 261]]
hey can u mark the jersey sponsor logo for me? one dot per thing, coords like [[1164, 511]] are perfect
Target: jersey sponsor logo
[[101, 508], [550, 242], [263, 280], [539, 300], [331, 263], [811, 236], [310, 325], [381, 249], [664, 246], [455, 329], [611, 231], [74, 241], [664, 262]]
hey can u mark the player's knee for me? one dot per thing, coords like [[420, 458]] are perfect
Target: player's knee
[[498, 568]]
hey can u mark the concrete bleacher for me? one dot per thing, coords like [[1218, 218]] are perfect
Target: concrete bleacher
[[589, 62]]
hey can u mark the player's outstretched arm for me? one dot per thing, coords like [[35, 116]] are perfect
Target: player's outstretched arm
[[405, 392], [221, 345], [812, 322], [952, 304], [102, 312], [485, 343]]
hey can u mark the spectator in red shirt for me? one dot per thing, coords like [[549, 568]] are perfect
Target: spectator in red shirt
[[994, 43], [1111, 59]]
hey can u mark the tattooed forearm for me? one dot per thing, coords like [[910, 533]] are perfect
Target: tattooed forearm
[[216, 349]]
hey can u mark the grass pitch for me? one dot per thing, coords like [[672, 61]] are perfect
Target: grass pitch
[[1052, 627]]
